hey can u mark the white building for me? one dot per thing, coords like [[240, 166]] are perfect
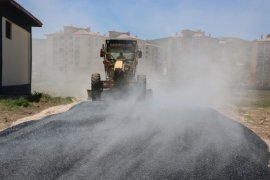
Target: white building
[[15, 48]]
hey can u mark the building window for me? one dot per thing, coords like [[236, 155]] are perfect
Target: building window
[[8, 30]]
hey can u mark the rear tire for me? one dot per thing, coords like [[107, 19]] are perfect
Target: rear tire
[[96, 86], [141, 79]]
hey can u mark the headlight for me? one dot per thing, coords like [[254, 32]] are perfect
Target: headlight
[[126, 68]]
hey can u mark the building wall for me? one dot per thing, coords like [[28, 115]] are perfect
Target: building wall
[[16, 56], [151, 63], [262, 64], [63, 62], [188, 58], [1, 49]]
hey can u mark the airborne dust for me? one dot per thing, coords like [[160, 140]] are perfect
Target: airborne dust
[[175, 134]]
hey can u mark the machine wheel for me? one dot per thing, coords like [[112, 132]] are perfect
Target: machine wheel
[[141, 79], [96, 86]]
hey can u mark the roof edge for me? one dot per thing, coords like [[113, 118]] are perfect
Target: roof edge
[[36, 22]]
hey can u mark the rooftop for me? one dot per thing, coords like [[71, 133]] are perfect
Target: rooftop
[[266, 38], [125, 36], [76, 31]]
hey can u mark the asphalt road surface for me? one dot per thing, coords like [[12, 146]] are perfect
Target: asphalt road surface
[[124, 140]]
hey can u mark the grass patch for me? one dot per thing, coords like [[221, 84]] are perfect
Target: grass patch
[[46, 98], [13, 103], [249, 118], [254, 99]]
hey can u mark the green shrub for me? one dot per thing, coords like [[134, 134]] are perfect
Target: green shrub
[[46, 98], [34, 97], [12, 103], [21, 102]]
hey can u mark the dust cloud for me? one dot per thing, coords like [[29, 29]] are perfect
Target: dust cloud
[[176, 133]]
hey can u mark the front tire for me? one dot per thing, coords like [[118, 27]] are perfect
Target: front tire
[[96, 86], [141, 79]]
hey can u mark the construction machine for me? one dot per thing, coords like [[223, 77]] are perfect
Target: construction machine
[[120, 59]]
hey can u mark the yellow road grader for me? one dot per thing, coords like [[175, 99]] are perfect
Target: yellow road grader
[[120, 59]]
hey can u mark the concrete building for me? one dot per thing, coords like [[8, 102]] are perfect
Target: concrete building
[[15, 48], [190, 55], [64, 61], [152, 60], [261, 62], [236, 55], [186, 49]]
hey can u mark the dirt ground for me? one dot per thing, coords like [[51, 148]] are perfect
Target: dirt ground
[[255, 118], [252, 109], [9, 118]]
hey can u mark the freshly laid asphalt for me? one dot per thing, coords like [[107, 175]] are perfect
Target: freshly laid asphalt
[[98, 140]]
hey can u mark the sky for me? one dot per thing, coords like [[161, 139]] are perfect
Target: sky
[[152, 19]]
